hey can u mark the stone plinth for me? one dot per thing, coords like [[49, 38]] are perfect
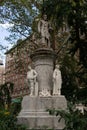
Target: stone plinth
[[34, 112], [43, 60]]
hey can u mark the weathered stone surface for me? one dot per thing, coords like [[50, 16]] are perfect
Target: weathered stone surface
[[34, 112], [43, 60]]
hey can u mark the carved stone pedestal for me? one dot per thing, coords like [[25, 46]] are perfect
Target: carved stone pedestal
[[43, 60], [34, 112]]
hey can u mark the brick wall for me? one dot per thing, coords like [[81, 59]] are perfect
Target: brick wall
[[17, 61]]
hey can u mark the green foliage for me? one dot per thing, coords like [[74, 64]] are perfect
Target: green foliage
[[82, 95], [20, 14], [5, 94], [69, 85], [74, 78], [8, 121], [15, 106], [74, 119], [74, 14], [9, 109]]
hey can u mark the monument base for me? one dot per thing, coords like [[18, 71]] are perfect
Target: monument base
[[34, 112]]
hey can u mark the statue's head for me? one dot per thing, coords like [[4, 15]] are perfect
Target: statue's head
[[57, 66], [29, 67], [45, 17]]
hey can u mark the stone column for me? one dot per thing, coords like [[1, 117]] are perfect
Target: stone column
[[43, 60]]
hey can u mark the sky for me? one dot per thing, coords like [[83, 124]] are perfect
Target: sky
[[4, 33]]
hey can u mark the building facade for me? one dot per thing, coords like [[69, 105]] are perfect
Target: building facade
[[16, 67], [2, 73]]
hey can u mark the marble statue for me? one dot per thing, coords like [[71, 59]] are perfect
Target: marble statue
[[44, 28], [31, 77], [44, 93], [57, 81]]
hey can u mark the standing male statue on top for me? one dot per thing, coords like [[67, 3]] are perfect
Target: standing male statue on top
[[44, 29]]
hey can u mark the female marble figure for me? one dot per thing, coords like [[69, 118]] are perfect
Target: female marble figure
[[57, 81], [31, 77]]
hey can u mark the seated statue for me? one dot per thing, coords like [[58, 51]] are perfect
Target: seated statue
[[44, 93], [57, 81], [31, 78]]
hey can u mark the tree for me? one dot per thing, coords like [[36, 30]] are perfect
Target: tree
[[20, 14], [74, 14], [71, 14], [5, 94]]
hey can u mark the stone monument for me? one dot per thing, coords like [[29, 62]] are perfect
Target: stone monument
[[34, 112]]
